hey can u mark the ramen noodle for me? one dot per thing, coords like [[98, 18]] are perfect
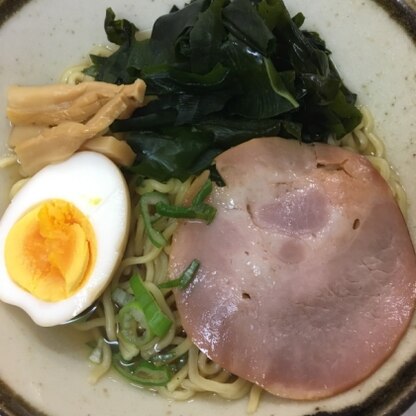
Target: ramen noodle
[[197, 372]]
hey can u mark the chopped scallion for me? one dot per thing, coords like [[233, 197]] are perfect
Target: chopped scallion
[[132, 319], [183, 281], [121, 297], [203, 212], [203, 193], [156, 320], [147, 200], [142, 372]]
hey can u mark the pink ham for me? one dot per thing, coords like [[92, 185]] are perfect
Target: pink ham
[[307, 277]]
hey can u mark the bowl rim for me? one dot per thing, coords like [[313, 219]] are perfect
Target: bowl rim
[[392, 399]]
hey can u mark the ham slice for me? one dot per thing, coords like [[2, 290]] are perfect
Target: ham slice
[[307, 277]]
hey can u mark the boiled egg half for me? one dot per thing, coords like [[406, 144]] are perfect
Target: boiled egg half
[[63, 236]]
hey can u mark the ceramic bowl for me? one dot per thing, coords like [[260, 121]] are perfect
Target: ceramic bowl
[[45, 371]]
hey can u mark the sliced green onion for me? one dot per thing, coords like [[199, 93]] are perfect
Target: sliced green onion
[[152, 198], [156, 320], [131, 319], [184, 279], [198, 209], [142, 372], [121, 297], [205, 190], [202, 211]]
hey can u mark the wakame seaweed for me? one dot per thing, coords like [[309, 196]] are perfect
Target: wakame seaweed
[[223, 72]]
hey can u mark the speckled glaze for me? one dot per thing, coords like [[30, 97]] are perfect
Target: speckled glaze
[[45, 371]]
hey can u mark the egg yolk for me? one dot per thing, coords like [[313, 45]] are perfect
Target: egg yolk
[[51, 250]]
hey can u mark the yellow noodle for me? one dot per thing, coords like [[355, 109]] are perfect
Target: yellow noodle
[[254, 399], [102, 368], [89, 325], [178, 395], [178, 379], [8, 161], [75, 74], [152, 185], [199, 374], [206, 366], [222, 377], [182, 347], [110, 324], [232, 390]]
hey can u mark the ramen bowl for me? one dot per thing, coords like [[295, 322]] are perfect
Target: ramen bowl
[[46, 370]]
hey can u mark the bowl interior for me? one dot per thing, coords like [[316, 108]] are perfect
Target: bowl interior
[[376, 58]]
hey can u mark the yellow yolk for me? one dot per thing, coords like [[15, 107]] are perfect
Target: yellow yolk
[[51, 250]]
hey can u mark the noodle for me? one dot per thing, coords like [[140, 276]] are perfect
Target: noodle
[[104, 365], [75, 74], [7, 161], [90, 325], [198, 373], [254, 398]]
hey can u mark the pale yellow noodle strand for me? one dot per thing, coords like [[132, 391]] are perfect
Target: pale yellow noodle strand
[[150, 271], [7, 161], [161, 264], [222, 377], [187, 384], [102, 368], [131, 243], [178, 395], [168, 233], [382, 166], [368, 121], [75, 75], [254, 399], [377, 144], [177, 379], [153, 185], [89, 325], [234, 390], [150, 256], [182, 348], [361, 141], [181, 192], [110, 321], [139, 237], [206, 366]]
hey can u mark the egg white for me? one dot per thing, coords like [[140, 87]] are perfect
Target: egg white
[[97, 188]]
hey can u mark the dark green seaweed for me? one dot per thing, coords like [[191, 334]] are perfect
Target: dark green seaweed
[[223, 72]]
